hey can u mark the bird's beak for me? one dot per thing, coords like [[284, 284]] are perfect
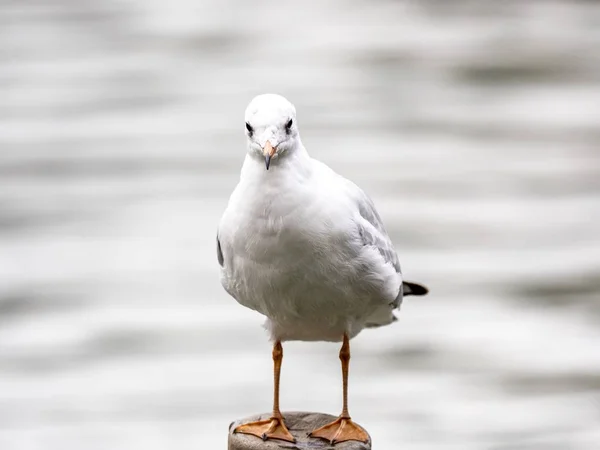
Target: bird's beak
[[268, 151]]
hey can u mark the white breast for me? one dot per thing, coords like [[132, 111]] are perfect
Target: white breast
[[288, 255]]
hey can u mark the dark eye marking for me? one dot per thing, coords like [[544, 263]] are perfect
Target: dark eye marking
[[249, 128], [288, 125]]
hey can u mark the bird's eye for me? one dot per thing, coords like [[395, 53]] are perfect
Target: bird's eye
[[249, 128], [288, 125]]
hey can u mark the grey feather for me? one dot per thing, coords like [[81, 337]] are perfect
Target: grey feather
[[376, 235], [219, 252], [373, 233]]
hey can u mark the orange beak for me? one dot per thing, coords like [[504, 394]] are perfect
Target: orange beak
[[268, 151]]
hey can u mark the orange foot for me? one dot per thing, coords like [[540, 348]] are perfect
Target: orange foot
[[340, 430], [273, 428]]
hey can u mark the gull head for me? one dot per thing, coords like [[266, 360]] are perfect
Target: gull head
[[271, 127]]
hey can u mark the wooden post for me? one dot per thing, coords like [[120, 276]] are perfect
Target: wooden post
[[299, 424]]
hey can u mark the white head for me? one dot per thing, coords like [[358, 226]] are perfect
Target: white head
[[271, 127]]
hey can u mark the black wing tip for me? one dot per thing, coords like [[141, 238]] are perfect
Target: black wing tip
[[409, 288]]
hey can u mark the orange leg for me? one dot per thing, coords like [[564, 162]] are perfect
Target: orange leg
[[273, 428], [343, 428]]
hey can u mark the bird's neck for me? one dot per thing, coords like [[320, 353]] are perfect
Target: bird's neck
[[294, 163]]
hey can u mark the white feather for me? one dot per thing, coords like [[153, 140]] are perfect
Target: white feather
[[293, 239]]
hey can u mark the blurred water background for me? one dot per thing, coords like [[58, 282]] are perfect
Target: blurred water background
[[474, 125]]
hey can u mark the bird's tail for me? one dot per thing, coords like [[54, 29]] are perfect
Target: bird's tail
[[413, 289], [385, 315]]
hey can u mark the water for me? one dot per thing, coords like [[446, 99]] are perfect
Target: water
[[473, 125]]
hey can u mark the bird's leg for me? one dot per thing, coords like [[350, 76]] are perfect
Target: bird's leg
[[343, 428], [273, 428]]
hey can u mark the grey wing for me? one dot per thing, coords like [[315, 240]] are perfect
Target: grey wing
[[377, 237], [373, 233], [219, 252]]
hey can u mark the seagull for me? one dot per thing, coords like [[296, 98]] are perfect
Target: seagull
[[306, 248]]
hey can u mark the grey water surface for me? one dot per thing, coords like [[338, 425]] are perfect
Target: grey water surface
[[475, 127]]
